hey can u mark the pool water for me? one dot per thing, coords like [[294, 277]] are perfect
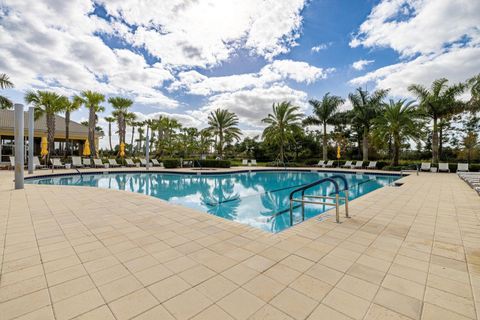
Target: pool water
[[258, 198]]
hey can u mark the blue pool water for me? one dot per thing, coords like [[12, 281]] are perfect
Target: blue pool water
[[259, 199]]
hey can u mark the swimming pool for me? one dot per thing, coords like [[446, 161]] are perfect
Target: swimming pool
[[256, 198]]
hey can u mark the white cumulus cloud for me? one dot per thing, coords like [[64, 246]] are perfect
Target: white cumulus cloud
[[361, 64]]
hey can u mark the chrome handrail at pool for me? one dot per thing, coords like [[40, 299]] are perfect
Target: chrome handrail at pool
[[337, 197]]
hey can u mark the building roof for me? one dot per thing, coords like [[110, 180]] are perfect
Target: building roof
[[77, 130]]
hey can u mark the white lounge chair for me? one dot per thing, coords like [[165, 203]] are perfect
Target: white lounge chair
[[37, 164], [77, 162], [245, 162], [56, 163], [130, 163], [156, 163], [462, 167], [372, 165], [329, 164], [143, 162], [357, 165], [87, 162], [320, 163], [253, 162], [12, 162], [113, 163], [98, 163], [443, 167], [426, 166], [347, 164]]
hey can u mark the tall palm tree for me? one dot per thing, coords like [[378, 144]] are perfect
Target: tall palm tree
[[440, 102], [398, 121], [324, 113], [71, 106], [5, 83], [47, 103], [92, 101], [365, 108], [282, 123], [121, 106], [223, 122], [130, 121], [110, 120], [474, 84]]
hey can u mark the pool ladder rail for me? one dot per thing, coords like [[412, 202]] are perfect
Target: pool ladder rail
[[335, 204]]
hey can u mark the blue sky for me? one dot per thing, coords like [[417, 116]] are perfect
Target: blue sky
[[185, 58]]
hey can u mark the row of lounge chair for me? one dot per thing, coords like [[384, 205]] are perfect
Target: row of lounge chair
[[444, 167], [472, 179], [78, 162], [247, 162], [348, 164]]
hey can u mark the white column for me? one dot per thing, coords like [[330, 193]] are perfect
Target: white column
[[19, 146], [147, 149], [31, 123]]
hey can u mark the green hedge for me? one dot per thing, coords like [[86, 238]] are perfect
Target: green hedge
[[171, 163], [212, 163]]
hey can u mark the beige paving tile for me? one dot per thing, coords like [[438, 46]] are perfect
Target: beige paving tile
[[399, 303], [361, 288], [258, 263], [45, 313], [433, 312], [324, 274], [404, 286], [366, 273], [282, 274], [347, 303], [18, 289], [71, 288], [268, 312], [197, 274], [451, 302], [293, 303], [187, 304], [213, 313], [78, 304], [240, 274], [101, 313], [168, 288], [216, 288], [25, 304], [323, 312], [263, 287], [21, 275], [119, 288], [153, 274], [297, 263], [157, 313], [109, 274], [311, 287], [377, 312], [133, 304], [240, 304]]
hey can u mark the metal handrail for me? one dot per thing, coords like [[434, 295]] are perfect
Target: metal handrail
[[345, 184], [308, 186]]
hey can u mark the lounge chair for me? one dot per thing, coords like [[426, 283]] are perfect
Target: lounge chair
[[372, 165], [98, 163], [245, 162], [143, 162], [320, 163], [87, 162], [37, 164], [462, 167], [56, 163], [113, 163], [12, 162], [357, 165], [443, 167], [426, 166], [77, 162], [347, 164], [253, 162], [156, 163], [329, 164], [130, 163], [187, 163]]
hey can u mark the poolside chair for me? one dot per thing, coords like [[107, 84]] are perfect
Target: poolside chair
[[98, 163], [329, 164], [245, 162], [357, 165], [320, 163], [37, 164], [443, 167], [426, 166], [372, 165], [143, 162], [87, 162], [462, 167], [113, 163], [156, 163], [12, 162], [347, 164], [130, 163], [253, 162], [77, 162], [187, 163], [56, 163]]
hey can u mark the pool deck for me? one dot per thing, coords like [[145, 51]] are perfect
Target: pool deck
[[409, 252]]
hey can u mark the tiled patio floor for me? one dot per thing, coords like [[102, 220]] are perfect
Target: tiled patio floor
[[411, 252]]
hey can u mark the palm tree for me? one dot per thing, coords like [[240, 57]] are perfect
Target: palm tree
[[110, 120], [282, 123], [120, 106], [398, 121], [440, 102], [365, 108], [47, 103], [223, 122], [92, 101], [474, 84], [324, 113], [5, 83], [130, 120], [72, 105]]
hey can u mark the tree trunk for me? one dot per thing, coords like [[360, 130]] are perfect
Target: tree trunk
[[110, 135], [324, 146], [131, 144], [365, 145], [67, 132], [440, 140], [396, 150], [220, 143], [91, 131], [435, 141], [50, 133]]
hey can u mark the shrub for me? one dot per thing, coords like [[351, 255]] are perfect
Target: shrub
[[171, 163], [211, 163]]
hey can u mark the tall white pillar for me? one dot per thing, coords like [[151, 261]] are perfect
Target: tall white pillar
[[31, 123], [19, 146], [147, 149]]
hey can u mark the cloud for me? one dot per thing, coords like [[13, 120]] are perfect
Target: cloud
[[361, 64], [320, 47]]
